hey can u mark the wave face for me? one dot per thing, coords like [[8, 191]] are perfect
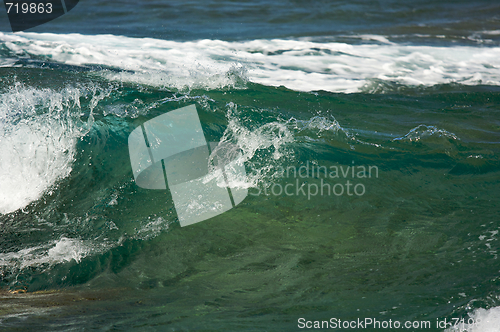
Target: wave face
[[77, 234]]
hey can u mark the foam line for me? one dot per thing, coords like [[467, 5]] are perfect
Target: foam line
[[301, 64]]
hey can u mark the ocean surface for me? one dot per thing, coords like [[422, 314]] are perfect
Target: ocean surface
[[409, 91]]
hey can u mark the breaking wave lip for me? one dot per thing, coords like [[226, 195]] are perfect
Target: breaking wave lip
[[279, 138], [37, 143], [39, 130], [302, 64], [242, 132]]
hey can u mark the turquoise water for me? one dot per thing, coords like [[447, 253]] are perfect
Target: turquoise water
[[82, 247]]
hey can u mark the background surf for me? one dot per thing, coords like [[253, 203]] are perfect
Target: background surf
[[92, 249]]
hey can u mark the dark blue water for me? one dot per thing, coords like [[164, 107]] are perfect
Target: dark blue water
[[420, 21]]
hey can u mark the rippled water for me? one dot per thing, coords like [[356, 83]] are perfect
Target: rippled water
[[398, 89]]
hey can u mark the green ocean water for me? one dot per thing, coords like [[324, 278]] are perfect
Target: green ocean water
[[369, 132], [96, 252]]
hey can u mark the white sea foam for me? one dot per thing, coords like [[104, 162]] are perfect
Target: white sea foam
[[60, 251], [151, 228], [491, 32], [37, 143], [481, 320], [65, 249], [301, 64]]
